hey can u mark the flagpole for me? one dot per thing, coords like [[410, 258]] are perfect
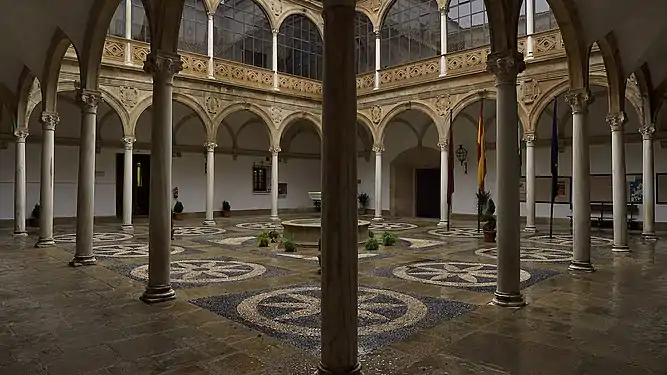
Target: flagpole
[[551, 220], [554, 166]]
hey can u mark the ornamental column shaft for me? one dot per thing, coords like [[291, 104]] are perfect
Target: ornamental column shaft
[[19, 183], [620, 211], [211, 67], [128, 194], [506, 66], [530, 27], [444, 183], [648, 182], [85, 200], [340, 269], [49, 121], [163, 66], [530, 183], [378, 61], [378, 149], [581, 172], [210, 182], [443, 41], [274, 60], [275, 150]]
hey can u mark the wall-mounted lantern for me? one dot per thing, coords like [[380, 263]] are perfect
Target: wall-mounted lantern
[[462, 156]]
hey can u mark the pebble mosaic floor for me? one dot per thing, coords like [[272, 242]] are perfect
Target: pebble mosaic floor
[[423, 305]]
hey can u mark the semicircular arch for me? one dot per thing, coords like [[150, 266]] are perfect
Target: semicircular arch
[[177, 97], [243, 106], [301, 115], [318, 22], [413, 105]]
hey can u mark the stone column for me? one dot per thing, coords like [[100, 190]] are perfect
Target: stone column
[[443, 40], [619, 183], [581, 173], [128, 177], [210, 182], [530, 27], [163, 66], [648, 182], [19, 183], [274, 150], [505, 66], [340, 268], [444, 177], [49, 121], [128, 32], [378, 61], [274, 60], [211, 66], [85, 199], [378, 149], [530, 183]]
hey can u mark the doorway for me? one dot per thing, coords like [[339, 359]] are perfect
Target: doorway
[[427, 189], [141, 174]]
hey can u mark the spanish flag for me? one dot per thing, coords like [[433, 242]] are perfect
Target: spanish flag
[[481, 148]]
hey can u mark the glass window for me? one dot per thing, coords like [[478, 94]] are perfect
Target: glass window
[[241, 32], [522, 20], [140, 29], [300, 47], [192, 36], [117, 25], [544, 17], [260, 178], [410, 31], [468, 25], [364, 40]]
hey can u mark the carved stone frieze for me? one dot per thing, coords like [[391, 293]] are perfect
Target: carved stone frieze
[[376, 114], [529, 90], [442, 104], [213, 104], [129, 96], [277, 115]]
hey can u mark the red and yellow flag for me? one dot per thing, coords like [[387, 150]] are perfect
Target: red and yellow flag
[[481, 148]]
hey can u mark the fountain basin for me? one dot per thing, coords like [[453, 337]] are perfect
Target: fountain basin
[[306, 232]]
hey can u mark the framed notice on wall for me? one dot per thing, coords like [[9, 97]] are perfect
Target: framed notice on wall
[[543, 189], [602, 190], [282, 189]]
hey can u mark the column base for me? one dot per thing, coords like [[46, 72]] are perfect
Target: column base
[[442, 224], [20, 234], [127, 228], [82, 261], [209, 223], [508, 299], [581, 266], [156, 294], [275, 219], [650, 236], [530, 229], [45, 242], [322, 370], [377, 219], [620, 249]]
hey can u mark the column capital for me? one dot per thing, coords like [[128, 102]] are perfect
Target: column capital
[[274, 150], [21, 135], [377, 33], [444, 9], [529, 138], [49, 120], [616, 121], [128, 142], [164, 64], [210, 146], [505, 66], [274, 32], [647, 132], [378, 148], [579, 100], [443, 145], [88, 100]]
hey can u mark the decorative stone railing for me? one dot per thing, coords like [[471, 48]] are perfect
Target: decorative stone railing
[[548, 44], [412, 72], [299, 85], [245, 75], [365, 82], [467, 61]]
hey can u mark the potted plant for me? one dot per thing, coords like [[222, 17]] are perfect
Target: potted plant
[[178, 211], [490, 221], [226, 209], [263, 239], [33, 221], [372, 244], [388, 239], [363, 199], [290, 246]]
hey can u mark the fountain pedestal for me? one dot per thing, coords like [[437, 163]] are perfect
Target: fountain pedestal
[[307, 232]]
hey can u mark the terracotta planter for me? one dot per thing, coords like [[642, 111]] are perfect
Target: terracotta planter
[[178, 216], [226, 213], [490, 236]]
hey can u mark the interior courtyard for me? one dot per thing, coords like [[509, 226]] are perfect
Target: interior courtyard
[[231, 197]]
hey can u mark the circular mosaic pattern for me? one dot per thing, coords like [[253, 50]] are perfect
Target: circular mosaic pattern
[[206, 271], [532, 254], [97, 237], [567, 240], [455, 274], [197, 231], [457, 232], [297, 310], [267, 225], [391, 226], [130, 250]]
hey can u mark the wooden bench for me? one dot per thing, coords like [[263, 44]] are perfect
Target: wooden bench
[[603, 212]]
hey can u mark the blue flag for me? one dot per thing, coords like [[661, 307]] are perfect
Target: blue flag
[[554, 154]]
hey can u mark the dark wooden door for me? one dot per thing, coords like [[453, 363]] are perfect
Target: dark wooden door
[[141, 179], [427, 191]]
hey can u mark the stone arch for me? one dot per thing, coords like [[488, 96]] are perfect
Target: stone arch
[[94, 39], [369, 14], [365, 121], [416, 105], [243, 106], [302, 115], [177, 97], [317, 21], [461, 105], [49, 83]]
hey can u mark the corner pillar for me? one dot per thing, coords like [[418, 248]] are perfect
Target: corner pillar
[[378, 149], [274, 150], [530, 183], [620, 211], [210, 182], [444, 183], [49, 121], [19, 183], [128, 143], [648, 182]]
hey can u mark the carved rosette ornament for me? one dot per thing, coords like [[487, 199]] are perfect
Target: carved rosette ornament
[[579, 100], [376, 114], [49, 120], [210, 146], [529, 91], [277, 116], [529, 138], [647, 132], [129, 96], [443, 145], [442, 104], [616, 121], [89, 100], [128, 142], [274, 150], [505, 66], [21, 135], [213, 105], [163, 65], [378, 149]]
